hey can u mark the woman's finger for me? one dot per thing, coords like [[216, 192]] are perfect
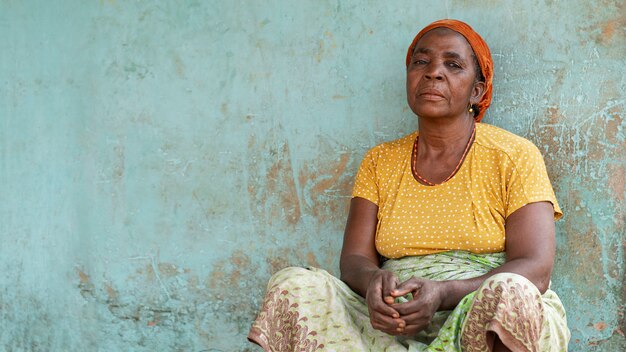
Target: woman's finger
[[418, 318], [407, 308], [389, 282], [385, 323], [379, 306], [412, 285], [375, 298]]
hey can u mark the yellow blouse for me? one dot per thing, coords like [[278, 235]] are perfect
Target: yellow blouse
[[501, 173]]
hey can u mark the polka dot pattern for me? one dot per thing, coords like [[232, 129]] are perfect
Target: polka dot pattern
[[502, 173]]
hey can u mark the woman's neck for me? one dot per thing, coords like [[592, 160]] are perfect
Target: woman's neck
[[444, 137]]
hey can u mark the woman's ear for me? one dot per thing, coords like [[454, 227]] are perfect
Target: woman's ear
[[477, 92]]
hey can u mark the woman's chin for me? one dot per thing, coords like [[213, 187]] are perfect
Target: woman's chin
[[432, 114], [428, 109]]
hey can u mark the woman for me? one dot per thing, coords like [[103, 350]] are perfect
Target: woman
[[449, 244]]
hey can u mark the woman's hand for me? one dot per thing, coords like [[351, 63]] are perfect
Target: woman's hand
[[427, 298], [379, 299]]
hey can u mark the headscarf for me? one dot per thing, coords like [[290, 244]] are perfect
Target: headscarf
[[480, 48]]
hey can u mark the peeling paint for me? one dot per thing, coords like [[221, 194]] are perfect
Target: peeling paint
[[272, 188]]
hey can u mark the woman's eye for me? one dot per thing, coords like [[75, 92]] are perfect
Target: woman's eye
[[454, 65], [419, 62]]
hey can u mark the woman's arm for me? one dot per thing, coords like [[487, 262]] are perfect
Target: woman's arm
[[359, 259], [360, 267], [530, 248]]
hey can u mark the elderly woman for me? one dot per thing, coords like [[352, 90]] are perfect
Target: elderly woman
[[449, 244]]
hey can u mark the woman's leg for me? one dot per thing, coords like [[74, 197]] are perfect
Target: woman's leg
[[309, 310], [281, 323], [507, 314]]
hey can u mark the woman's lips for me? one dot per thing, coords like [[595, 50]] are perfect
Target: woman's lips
[[431, 94]]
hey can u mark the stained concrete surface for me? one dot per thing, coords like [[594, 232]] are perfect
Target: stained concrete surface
[[160, 160]]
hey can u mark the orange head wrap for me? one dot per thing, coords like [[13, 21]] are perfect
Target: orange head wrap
[[481, 50]]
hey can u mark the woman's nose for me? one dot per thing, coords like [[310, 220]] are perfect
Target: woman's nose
[[433, 72]]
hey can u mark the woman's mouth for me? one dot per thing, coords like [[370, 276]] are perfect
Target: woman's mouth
[[431, 94]]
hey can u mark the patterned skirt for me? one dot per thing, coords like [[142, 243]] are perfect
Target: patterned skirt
[[310, 310]]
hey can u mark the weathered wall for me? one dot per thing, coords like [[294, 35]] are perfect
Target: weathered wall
[[159, 160]]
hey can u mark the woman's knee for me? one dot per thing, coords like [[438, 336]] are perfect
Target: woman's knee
[[504, 305], [298, 276], [510, 280], [512, 293]]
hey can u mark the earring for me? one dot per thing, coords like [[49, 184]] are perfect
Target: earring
[[471, 109]]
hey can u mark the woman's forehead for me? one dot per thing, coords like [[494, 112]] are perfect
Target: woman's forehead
[[443, 39]]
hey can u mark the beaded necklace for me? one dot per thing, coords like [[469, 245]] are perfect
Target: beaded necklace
[[458, 165]]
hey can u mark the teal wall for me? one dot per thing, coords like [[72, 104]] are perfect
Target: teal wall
[[160, 160]]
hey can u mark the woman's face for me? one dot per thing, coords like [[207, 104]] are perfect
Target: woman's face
[[441, 77]]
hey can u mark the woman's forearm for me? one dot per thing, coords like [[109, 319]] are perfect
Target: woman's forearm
[[453, 291], [357, 272]]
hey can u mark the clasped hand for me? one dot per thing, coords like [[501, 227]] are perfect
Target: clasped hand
[[406, 318]]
